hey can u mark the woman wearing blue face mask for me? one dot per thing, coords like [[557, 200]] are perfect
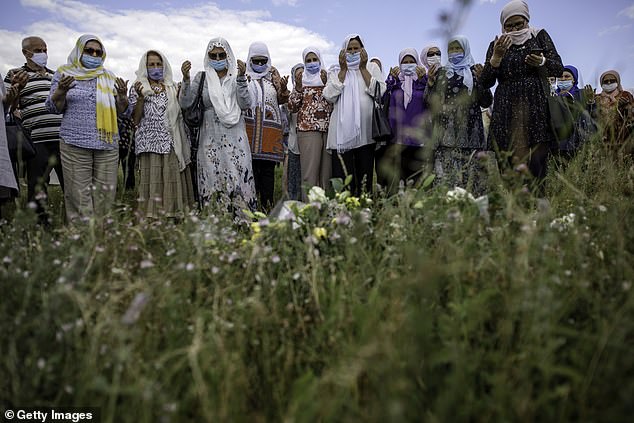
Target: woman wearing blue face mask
[[224, 159], [264, 120], [89, 97], [161, 144], [402, 157], [350, 88], [581, 107], [313, 119], [455, 95]]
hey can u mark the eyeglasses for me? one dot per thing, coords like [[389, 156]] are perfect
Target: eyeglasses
[[93, 52], [260, 62], [609, 81], [519, 25], [217, 56], [433, 53]]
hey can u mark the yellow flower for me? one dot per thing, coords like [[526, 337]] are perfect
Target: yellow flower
[[255, 226], [353, 202], [320, 232]]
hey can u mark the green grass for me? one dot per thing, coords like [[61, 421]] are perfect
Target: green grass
[[407, 308]]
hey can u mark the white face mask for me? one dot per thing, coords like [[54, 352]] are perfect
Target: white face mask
[[40, 59], [434, 60], [608, 88]]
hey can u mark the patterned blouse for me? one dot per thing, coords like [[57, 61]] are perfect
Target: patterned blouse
[[152, 133], [313, 111]]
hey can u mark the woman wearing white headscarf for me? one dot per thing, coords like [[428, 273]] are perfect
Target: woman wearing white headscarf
[[350, 88], [313, 118], [520, 62], [430, 55], [401, 158], [454, 96], [224, 158], [89, 96], [264, 120], [161, 143]]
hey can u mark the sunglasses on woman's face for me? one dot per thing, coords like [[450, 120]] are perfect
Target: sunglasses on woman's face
[[217, 56], [259, 62], [93, 52], [609, 81], [433, 53]]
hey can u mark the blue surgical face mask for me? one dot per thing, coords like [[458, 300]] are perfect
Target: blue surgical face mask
[[313, 67], [456, 58], [564, 85], [218, 65], [40, 59], [91, 62], [353, 57], [155, 74], [408, 68], [258, 68]]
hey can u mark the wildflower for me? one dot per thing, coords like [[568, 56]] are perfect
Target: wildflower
[[170, 252], [146, 264], [564, 222], [134, 310], [215, 270], [602, 208], [189, 267], [458, 194], [32, 205], [320, 232], [317, 195], [7, 260], [521, 168], [255, 227], [41, 363], [353, 202], [275, 259]]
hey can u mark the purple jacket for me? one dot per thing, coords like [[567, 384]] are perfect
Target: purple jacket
[[407, 124]]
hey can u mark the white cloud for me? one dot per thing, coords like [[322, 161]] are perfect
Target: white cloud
[[613, 29], [180, 33], [284, 2], [628, 11]]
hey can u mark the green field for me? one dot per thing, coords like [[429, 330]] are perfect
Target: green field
[[411, 307]]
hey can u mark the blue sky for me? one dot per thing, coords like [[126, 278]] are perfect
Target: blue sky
[[594, 35]]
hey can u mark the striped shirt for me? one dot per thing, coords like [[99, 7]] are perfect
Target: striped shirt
[[42, 125]]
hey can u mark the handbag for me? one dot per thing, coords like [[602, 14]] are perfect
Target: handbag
[[193, 116], [19, 143], [381, 129]]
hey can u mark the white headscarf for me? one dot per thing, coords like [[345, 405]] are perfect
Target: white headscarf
[[308, 79], [349, 111], [258, 49], [223, 94], [407, 81], [464, 67], [174, 116], [517, 8], [423, 54], [293, 70], [379, 60]]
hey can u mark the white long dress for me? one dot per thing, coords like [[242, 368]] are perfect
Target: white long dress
[[224, 155]]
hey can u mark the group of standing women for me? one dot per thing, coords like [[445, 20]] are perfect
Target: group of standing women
[[435, 113]]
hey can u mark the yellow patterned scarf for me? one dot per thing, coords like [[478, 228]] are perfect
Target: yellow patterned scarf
[[106, 104]]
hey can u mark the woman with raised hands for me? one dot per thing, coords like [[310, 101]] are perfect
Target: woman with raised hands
[[161, 143], [431, 55], [224, 158], [351, 89], [264, 120], [520, 62], [313, 119], [402, 157], [454, 96], [89, 97]]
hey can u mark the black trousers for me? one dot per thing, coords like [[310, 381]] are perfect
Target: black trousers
[[127, 158], [359, 163], [396, 162], [38, 171], [264, 176]]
